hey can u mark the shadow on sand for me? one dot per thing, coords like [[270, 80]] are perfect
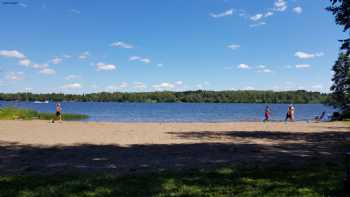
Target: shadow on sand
[[241, 147]]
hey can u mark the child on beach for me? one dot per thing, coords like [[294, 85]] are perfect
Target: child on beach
[[267, 113]]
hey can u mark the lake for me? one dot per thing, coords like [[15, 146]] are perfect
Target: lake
[[175, 112]]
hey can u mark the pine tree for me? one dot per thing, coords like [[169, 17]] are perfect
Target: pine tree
[[340, 96]]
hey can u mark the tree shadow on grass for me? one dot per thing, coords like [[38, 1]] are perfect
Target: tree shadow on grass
[[296, 164]]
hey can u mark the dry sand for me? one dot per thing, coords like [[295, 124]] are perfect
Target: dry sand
[[124, 134], [39, 146]]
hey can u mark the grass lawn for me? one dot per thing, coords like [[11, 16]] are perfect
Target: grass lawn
[[313, 179], [11, 113]]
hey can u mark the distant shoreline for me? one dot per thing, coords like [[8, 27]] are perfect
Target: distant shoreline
[[199, 96]]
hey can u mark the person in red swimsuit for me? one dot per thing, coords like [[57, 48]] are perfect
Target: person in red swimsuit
[[267, 113]]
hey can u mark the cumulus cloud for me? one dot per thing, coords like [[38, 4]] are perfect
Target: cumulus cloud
[[139, 85], [248, 88], [298, 10], [100, 66], [305, 55], [160, 65], [257, 24], [47, 71], [84, 55], [267, 14], [24, 62], [233, 46], [140, 59], [256, 17], [280, 5], [122, 45], [71, 77], [243, 66], [72, 86], [15, 76], [265, 70], [164, 86], [302, 66], [56, 60], [222, 14], [12, 54], [116, 87], [39, 66]]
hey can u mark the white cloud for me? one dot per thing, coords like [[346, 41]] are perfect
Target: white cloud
[[243, 66], [298, 10], [106, 67], [267, 14], [266, 70], [139, 85], [305, 55], [179, 83], [233, 46], [75, 11], [256, 17], [12, 54], [140, 59], [222, 14], [84, 55], [122, 45], [15, 76], [262, 66], [72, 86], [56, 60], [116, 87], [248, 88], [67, 56], [302, 66], [280, 5], [71, 77], [164, 86], [160, 65], [257, 24], [47, 71], [24, 62], [39, 66]]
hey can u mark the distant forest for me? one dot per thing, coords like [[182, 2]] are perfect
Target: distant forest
[[199, 96]]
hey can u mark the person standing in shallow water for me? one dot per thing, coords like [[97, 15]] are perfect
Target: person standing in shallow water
[[290, 113], [267, 113], [58, 113]]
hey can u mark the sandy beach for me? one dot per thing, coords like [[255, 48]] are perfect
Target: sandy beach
[[40, 146]]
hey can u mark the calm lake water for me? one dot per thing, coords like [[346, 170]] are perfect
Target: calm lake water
[[175, 112]]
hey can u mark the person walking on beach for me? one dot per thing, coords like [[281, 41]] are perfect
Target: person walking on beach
[[58, 113], [290, 113], [267, 113]]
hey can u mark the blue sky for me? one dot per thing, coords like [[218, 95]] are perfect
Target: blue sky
[[92, 46]]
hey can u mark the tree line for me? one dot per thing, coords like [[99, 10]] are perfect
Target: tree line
[[199, 96]]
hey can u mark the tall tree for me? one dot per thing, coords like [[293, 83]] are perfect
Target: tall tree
[[341, 11], [340, 96]]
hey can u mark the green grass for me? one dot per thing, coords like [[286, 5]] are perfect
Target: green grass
[[311, 180], [11, 113]]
